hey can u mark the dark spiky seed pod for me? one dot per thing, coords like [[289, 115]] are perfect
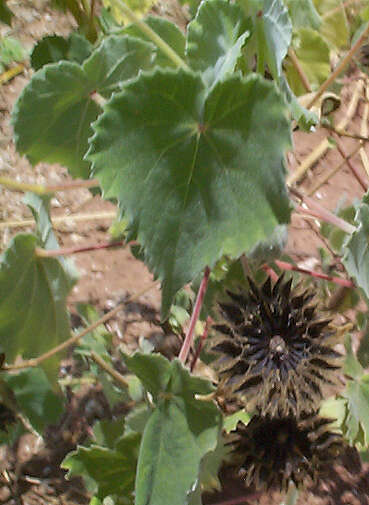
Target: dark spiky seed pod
[[275, 350], [271, 452]]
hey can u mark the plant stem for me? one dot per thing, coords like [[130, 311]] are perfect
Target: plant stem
[[33, 362], [194, 317], [87, 216], [340, 7], [110, 370], [203, 337], [332, 172], [340, 67], [304, 80], [353, 169], [149, 32], [283, 265], [41, 189], [12, 72], [364, 131], [342, 133], [66, 251], [321, 213], [269, 270]]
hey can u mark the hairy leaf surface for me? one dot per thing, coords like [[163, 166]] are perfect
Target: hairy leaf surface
[[192, 170], [53, 115]]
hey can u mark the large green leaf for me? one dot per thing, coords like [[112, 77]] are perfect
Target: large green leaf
[[35, 397], [179, 433], [53, 115], [313, 55], [356, 250], [215, 39], [192, 170], [113, 470]]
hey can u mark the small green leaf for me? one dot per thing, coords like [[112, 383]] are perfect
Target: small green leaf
[[33, 292], [5, 13], [52, 117], [276, 36], [357, 419], [335, 27], [313, 55], [153, 370], [231, 421], [11, 50], [107, 432], [35, 397], [352, 367], [215, 39], [192, 170], [113, 470], [167, 31], [53, 48], [118, 58], [356, 252]]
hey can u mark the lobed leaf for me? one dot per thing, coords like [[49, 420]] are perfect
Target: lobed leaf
[[215, 38], [355, 248], [192, 170], [35, 397], [113, 470], [53, 115], [53, 48]]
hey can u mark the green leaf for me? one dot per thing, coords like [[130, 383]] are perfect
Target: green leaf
[[113, 470], [335, 27], [231, 421], [117, 59], [11, 50], [57, 100], [313, 55], [107, 432], [215, 39], [352, 367], [357, 419], [35, 397], [167, 31], [276, 34], [304, 14], [304, 117], [53, 48], [52, 117], [356, 252], [153, 370], [177, 435], [192, 170], [5, 13]]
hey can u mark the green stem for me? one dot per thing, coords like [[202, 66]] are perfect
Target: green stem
[[260, 67], [158, 41], [40, 189]]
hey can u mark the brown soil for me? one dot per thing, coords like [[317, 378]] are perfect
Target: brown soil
[[29, 472]]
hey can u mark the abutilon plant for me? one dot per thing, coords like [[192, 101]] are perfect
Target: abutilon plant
[[275, 349], [272, 452]]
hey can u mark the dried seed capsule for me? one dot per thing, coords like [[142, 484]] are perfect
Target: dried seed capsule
[[271, 452], [276, 351]]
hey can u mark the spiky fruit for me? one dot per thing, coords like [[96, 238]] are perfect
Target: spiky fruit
[[275, 349], [271, 452]]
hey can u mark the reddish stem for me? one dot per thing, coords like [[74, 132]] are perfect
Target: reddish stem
[[195, 315], [203, 337], [269, 270], [337, 280]]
